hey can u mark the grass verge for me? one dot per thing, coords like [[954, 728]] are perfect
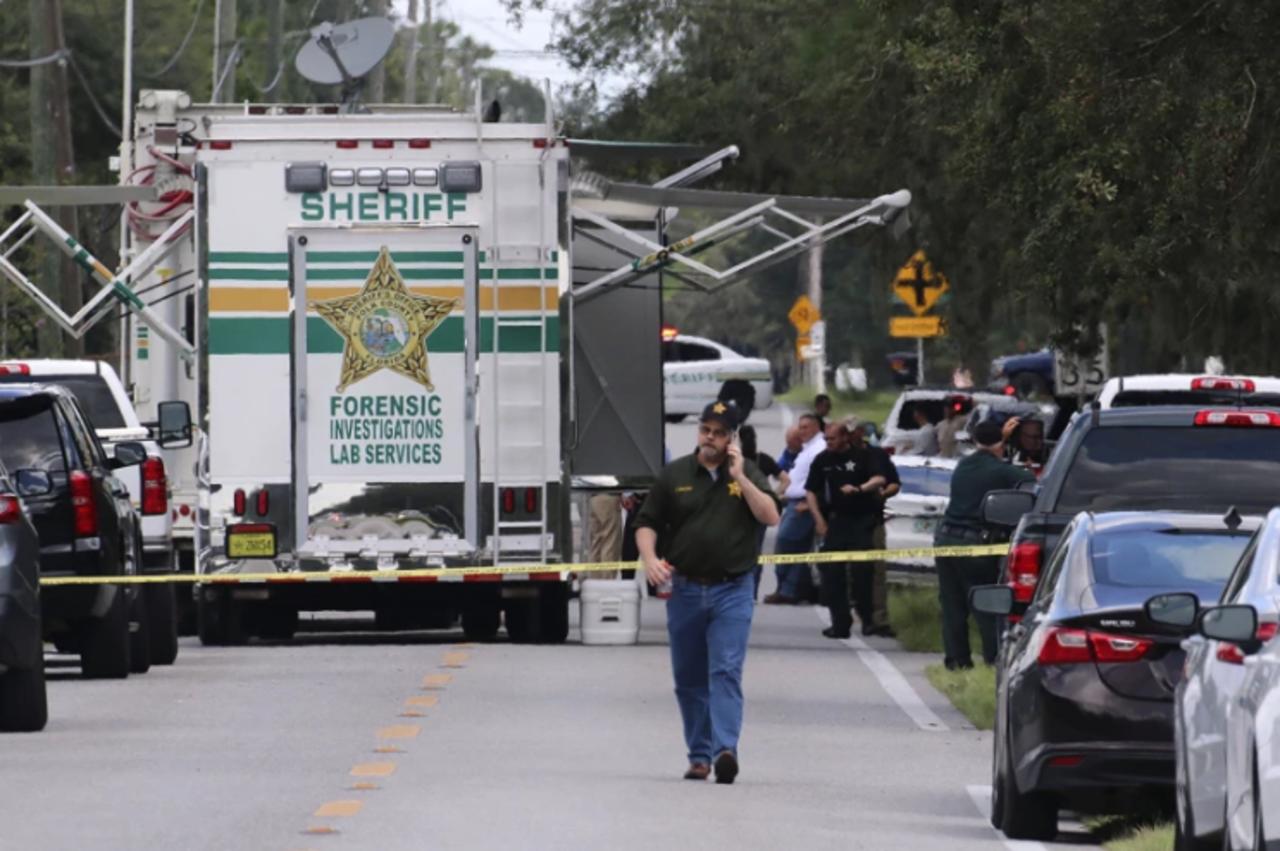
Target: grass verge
[[973, 692], [916, 616], [1130, 833]]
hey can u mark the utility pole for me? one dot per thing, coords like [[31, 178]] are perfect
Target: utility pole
[[225, 52], [376, 81], [411, 54], [53, 163]]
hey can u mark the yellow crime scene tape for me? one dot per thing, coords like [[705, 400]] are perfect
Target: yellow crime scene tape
[[436, 573]]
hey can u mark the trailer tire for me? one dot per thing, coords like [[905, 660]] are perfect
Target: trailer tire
[[480, 621], [277, 622], [219, 620], [162, 612], [139, 635], [104, 642], [553, 605], [741, 393]]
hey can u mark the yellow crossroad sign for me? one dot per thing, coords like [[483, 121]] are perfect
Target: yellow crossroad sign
[[919, 285], [917, 326], [804, 314]]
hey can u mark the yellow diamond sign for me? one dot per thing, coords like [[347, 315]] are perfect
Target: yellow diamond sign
[[804, 314], [919, 285]]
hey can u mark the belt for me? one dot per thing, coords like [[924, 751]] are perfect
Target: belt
[[717, 579]]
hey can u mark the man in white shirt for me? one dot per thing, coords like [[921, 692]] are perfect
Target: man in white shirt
[[795, 532], [924, 440]]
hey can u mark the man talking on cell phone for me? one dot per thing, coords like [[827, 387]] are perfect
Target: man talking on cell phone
[[698, 530]]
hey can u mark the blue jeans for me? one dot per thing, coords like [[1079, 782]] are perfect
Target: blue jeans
[[708, 626], [795, 535]]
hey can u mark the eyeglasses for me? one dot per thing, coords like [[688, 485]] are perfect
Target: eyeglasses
[[709, 431]]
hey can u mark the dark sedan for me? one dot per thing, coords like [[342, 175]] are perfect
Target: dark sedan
[[1085, 682]]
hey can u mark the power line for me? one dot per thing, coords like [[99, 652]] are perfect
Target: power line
[[93, 99], [182, 48], [32, 63]]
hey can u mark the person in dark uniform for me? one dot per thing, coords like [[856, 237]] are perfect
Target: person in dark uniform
[[698, 530], [879, 624], [975, 476], [843, 491]]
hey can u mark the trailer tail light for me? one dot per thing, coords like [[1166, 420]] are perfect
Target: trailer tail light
[[1071, 760], [1238, 419], [1243, 385], [237, 502], [15, 369], [219, 145], [531, 500], [155, 487], [383, 144], [347, 144], [419, 144], [264, 503], [85, 511], [10, 510], [508, 500], [1064, 646], [1233, 655], [1024, 569]]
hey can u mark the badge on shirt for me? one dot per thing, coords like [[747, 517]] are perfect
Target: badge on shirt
[[735, 489]]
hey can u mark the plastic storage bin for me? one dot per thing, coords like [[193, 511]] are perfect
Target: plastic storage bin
[[610, 611]]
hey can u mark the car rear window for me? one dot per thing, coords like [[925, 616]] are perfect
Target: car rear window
[[1131, 565], [1202, 469], [29, 437], [930, 481], [91, 391], [1206, 398]]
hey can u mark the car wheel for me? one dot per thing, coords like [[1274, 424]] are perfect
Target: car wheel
[[104, 642], [1025, 815], [674, 418], [162, 615], [741, 393], [139, 635], [24, 706], [480, 620], [218, 618]]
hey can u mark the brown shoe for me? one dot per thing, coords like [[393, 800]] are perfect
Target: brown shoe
[[698, 771], [726, 767], [776, 599]]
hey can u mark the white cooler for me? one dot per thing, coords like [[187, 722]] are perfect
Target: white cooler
[[610, 611]]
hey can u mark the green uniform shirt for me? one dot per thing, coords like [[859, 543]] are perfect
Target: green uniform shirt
[[705, 528], [975, 476]]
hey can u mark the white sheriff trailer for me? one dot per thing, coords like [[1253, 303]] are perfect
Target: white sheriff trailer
[[405, 335]]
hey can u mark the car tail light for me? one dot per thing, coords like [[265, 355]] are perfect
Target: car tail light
[[155, 487], [1238, 419], [347, 143], [1233, 655], [508, 500], [1063, 646], [1118, 648], [237, 502], [85, 516], [1066, 761], [1024, 569], [531, 500], [10, 510], [264, 503], [15, 369], [1244, 385]]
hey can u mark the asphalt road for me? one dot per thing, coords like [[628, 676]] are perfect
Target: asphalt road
[[367, 741]]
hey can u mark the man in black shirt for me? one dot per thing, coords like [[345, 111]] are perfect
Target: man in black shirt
[[843, 492]]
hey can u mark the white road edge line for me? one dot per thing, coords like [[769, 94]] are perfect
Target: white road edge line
[[892, 681], [981, 797]]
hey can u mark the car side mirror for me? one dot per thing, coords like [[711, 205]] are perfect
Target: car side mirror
[[30, 482], [174, 427], [128, 454], [1237, 624], [1005, 508], [991, 599], [1176, 610]]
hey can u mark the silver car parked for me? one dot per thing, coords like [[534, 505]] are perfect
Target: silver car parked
[[1211, 691]]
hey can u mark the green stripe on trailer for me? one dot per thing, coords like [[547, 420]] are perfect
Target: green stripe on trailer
[[269, 335], [248, 257], [397, 256]]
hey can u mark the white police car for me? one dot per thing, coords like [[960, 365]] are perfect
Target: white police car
[[697, 371]]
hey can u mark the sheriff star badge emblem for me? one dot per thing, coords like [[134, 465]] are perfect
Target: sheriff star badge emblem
[[384, 326]]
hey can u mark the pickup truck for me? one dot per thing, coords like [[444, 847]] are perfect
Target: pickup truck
[[1180, 458], [102, 396]]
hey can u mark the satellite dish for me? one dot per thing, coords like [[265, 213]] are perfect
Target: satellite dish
[[343, 53]]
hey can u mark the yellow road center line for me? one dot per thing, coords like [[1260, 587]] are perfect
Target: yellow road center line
[[413, 713], [436, 680], [422, 701], [364, 786], [388, 749], [373, 769], [455, 660], [399, 731], [321, 830], [339, 808]]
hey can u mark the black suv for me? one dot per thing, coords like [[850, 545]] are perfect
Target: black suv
[[1171, 458], [86, 524], [23, 706]]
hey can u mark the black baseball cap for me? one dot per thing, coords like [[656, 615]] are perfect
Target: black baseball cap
[[723, 412]]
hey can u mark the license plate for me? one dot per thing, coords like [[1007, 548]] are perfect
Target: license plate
[[251, 545], [924, 524]]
